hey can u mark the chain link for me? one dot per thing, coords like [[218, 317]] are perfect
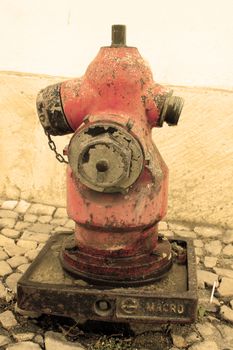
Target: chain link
[[53, 148]]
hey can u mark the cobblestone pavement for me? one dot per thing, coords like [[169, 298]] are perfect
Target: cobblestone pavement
[[25, 227]]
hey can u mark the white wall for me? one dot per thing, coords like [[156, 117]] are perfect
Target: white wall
[[187, 42]]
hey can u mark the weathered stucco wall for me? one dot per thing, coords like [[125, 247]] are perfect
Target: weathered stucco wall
[[186, 42], [198, 151]]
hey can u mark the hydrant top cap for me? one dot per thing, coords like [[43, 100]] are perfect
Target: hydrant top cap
[[118, 35]]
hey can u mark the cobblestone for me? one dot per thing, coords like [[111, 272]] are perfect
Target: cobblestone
[[28, 245], [198, 243], [41, 209], [5, 268], [193, 337], [58, 221], [12, 280], [210, 261], [205, 345], [3, 291], [228, 237], [204, 301], [22, 268], [224, 272], [163, 226], [57, 341], [3, 255], [7, 223], [4, 340], [10, 205], [24, 345], [226, 313], [205, 329], [206, 278], [44, 219], [8, 214], [39, 339], [227, 335], [185, 233], [22, 206], [7, 319], [199, 251], [23, 236], [32, 254], [21, 225], [13, 250], [5, 240], [213, 248], [41, 228], [226, 288], [30, 218], [178, 227], [60, 213], [60, 229], [15, 261], [207, 232], [168, 233], [9, 232], [225, 261], [228, 250], [36, 237], [70, 224], [178, 341], [23, 336]]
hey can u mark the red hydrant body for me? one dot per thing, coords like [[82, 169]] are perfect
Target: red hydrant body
[[117, 182]]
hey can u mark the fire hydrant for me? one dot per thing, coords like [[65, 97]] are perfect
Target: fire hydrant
[[117, 182], [116, 265]]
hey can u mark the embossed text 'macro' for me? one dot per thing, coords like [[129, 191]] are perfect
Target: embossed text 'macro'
[[160, 307]]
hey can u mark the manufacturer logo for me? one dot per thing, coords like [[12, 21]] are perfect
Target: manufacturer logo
[[129, 305]]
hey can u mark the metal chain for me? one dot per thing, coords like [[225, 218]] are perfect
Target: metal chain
[[53, 148]]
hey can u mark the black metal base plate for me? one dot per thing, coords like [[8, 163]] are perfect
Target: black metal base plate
[[46, 288]]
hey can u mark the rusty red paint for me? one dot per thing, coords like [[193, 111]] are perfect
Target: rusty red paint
[[117, 82], [117, 87]]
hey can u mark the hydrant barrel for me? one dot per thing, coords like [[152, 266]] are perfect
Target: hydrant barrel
[[117, 181]]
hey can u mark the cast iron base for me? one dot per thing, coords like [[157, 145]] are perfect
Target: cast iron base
[[46, 288]]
